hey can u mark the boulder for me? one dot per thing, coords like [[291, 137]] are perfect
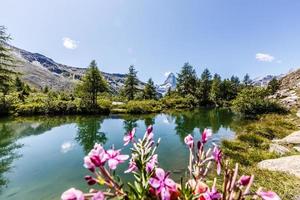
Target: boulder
[[281, 150], [293, 138], [297, 148], [289, 164]]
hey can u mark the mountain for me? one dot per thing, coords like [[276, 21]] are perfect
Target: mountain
[[263, 81], [289, 91], [40, 71], [170, 82]]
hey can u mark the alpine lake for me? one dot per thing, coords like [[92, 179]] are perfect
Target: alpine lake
[[40, 157]]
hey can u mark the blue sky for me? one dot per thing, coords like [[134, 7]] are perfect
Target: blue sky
[[258, 37]]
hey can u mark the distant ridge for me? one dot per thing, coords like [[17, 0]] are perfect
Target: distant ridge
[[40, 71]]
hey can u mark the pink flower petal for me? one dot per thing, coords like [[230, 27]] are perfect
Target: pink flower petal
[[112, 163], [154, 183], [269, 195], [165, 194], [122, 157], [72, 194], [160, 174], [98, 196]]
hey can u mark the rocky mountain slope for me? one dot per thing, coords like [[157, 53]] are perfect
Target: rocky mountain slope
[[289, 92], [40, 71]]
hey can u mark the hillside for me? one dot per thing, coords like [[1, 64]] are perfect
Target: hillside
[[40, 71], [289, 92]]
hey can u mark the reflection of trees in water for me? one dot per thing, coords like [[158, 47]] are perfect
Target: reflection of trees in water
[[131, 121], [8, 153], [187, 121], [88, 132]]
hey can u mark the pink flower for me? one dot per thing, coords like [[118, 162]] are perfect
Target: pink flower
[[217, 154], [189, 140], [89, 164], [132, 166], [96, 158], [149, 132], [244, 180], [163, 184], [211, 195], [115, 158], [98, 196], [207, 133], [269, 195], [72, 194], [151, 164], [129, 137]]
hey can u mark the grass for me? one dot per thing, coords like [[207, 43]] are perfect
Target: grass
[[252, 146]]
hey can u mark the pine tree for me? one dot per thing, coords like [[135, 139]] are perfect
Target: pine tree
[[187, 80], [204, 87], [19, 85], [247, 81], [215, 92], [273, 86], [131, 84], [92, 84], [6, 62], [149, 90]]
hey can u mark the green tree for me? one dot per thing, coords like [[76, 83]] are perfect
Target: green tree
[[131, 84], [92, 84], [6, 62], [215, 92], [247, 81], [19, 85], [149, 90], [187, 80], [204, 87], [273, 86]]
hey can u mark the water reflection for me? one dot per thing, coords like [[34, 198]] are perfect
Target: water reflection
[[73, 137], [89, 132], [187, 121], [8, 146]]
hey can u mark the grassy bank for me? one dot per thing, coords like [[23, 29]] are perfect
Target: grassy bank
[[252, 146]]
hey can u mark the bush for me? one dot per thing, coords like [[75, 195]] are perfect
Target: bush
[[143, 107], [178, 102], [252, 101]]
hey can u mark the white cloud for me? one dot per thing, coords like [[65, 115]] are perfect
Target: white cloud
[[69, 43], [279, 61], [167, 74], [263, 57], [66, 147]]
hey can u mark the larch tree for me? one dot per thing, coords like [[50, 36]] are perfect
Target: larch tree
[[7, 62], [131, 83], [92, 84], [149, 90], [187, 80]]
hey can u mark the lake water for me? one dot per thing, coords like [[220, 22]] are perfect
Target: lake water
[[40, 157]]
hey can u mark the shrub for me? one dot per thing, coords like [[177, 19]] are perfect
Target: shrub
[[253, 101], [143, 107], [178, 102]]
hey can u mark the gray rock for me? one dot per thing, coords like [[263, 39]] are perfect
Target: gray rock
[[297, 148], [289, 164], [278, 149], [293, 138], [298, 113]]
